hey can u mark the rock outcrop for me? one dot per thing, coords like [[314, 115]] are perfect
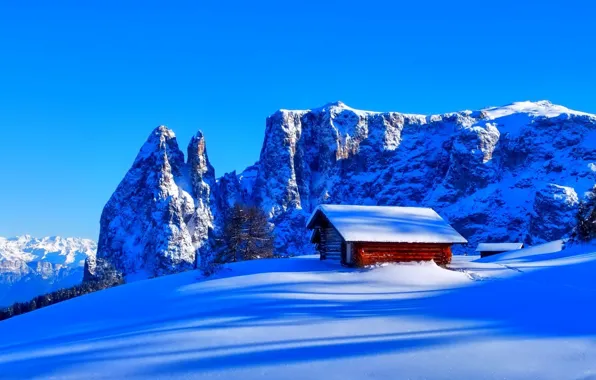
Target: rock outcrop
[[554, 214], [512, 173], [160, 214]]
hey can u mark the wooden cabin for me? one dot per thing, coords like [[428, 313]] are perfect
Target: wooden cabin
[[366, 235], [489, 249]]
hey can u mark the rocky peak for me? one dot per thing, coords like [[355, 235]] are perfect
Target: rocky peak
[[148, 212], [203, 183], [201, 172], [163, 210], [161, 144]]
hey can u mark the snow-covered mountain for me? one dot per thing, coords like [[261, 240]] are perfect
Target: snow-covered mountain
[[162, 211], [512, 173], [30, 267]]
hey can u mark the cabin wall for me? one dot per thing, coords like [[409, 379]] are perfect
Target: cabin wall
[[373, 253], [490, 253], [332, 245]]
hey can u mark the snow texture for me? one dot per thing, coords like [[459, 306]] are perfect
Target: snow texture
[[388, 224], [498, 247], [30, 267], [302, 318]]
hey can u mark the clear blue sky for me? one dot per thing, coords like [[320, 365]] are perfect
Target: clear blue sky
[[83, 83]]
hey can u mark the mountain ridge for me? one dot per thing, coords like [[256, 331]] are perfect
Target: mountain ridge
[[32, 266], [499, 173]]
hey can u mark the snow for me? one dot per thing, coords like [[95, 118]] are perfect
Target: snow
[[55, 249], [498, 247], [247, 178], [30, 267], [529, 252], [542, 108], [304, 318], [337, 106], [388, 224]]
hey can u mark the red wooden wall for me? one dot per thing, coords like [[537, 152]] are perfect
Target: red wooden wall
[[372, 253]]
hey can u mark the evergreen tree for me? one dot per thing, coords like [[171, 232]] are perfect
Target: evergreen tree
[[259, 243], [247, 235], [234, 237]]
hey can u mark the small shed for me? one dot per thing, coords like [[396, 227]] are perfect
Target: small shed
[[489, 249], [365, 235]]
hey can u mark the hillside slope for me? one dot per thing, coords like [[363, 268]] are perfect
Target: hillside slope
[[306, 319]]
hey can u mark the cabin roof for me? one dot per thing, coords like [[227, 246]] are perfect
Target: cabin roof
[[498, 247], [387, 224]]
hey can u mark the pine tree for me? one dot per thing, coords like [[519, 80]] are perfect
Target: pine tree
[[259, 243], [234, 237], [247, 235]]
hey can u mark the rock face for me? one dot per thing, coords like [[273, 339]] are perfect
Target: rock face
[[30, 267], [555, 209], [160, 214], [512, 173]]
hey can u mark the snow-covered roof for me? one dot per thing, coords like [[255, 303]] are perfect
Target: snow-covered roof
[[388, 224], [498, 247]]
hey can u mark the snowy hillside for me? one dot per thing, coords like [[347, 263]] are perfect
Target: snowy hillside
[[306, 319], [511, 173], [30, 267]]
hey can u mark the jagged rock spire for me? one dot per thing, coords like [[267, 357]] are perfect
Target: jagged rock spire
[[142, 227], [203, 183], [201, 171]]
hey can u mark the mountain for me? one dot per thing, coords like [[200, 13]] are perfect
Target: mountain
[[30, 267], [161, 212], [511, 173]]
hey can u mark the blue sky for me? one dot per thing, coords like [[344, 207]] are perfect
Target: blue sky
[[83, 83]]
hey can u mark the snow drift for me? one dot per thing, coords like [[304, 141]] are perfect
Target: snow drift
[[303, 318]]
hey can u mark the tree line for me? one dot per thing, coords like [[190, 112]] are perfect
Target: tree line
[[52, 298]]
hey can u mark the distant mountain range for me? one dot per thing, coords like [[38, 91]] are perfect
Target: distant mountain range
[[30, 267], [511, 173]]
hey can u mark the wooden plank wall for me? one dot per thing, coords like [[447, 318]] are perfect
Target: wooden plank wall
[[372, 253], [331, 244]]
